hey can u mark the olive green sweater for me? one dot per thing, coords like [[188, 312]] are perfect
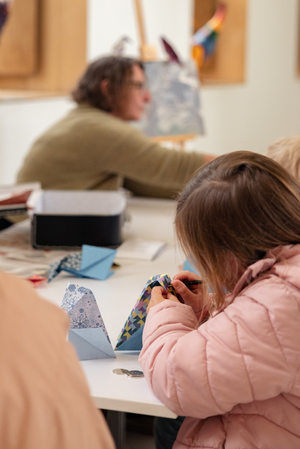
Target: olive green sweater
[[91, 149]]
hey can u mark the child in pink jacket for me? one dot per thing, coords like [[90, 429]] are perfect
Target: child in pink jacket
[[231, 363]]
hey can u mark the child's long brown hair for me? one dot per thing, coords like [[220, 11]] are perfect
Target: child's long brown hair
[[232, 212]]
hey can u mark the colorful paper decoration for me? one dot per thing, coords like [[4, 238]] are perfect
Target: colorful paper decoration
[[204, 40], [130, 337]]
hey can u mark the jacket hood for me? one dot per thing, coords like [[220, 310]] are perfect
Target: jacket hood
[[282, 261]]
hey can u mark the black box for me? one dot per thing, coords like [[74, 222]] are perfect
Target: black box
[[67, 219]]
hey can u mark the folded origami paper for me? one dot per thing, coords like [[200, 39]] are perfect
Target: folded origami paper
[[130, 337], [92, 262], [187, 266], [87, 330]]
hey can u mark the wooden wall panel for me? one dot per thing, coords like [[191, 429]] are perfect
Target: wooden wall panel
[[73, 42], [18, 41], [61, 52]]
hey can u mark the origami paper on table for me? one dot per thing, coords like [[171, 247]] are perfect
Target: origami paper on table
[[93, 262], [87, 330], [130, 337]]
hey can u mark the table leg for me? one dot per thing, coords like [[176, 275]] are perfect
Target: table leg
[[117, 424]]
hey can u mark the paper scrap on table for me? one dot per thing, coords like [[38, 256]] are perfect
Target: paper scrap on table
[[87, 332], [130, 337], [138, 248], [92, 262]]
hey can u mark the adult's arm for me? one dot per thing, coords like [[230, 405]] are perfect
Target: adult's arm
[[90, 149], [142, 162], [150, 190]]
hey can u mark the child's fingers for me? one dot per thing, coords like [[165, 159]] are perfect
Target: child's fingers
[[158, 295], [190, 298], [158, 292], [185, 292]]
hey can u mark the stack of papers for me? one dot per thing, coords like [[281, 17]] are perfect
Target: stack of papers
[[14, 198]]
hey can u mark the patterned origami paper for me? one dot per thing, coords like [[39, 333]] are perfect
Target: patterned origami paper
[[93, 262], [130, 337], [87, 329]]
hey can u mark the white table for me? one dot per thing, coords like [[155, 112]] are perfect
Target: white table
[[150, 219]]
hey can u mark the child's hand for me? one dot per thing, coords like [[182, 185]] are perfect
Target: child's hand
[[192, 295], [158, 295]]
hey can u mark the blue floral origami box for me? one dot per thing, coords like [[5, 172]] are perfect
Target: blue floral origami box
[[87, 329]]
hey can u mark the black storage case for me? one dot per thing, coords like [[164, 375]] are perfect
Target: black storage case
[[66, 219]]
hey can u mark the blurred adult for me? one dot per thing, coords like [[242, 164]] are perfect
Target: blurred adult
[[94, 146], [45, 400]]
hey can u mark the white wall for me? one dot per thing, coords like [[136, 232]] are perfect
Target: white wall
[[110, 20], [241, 116], [21, 122]]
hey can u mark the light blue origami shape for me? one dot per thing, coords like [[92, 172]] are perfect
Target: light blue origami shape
[[91, 344], [96, 262], [93, 262]]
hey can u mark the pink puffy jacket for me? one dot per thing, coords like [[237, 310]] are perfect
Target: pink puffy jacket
[[236, 377]]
